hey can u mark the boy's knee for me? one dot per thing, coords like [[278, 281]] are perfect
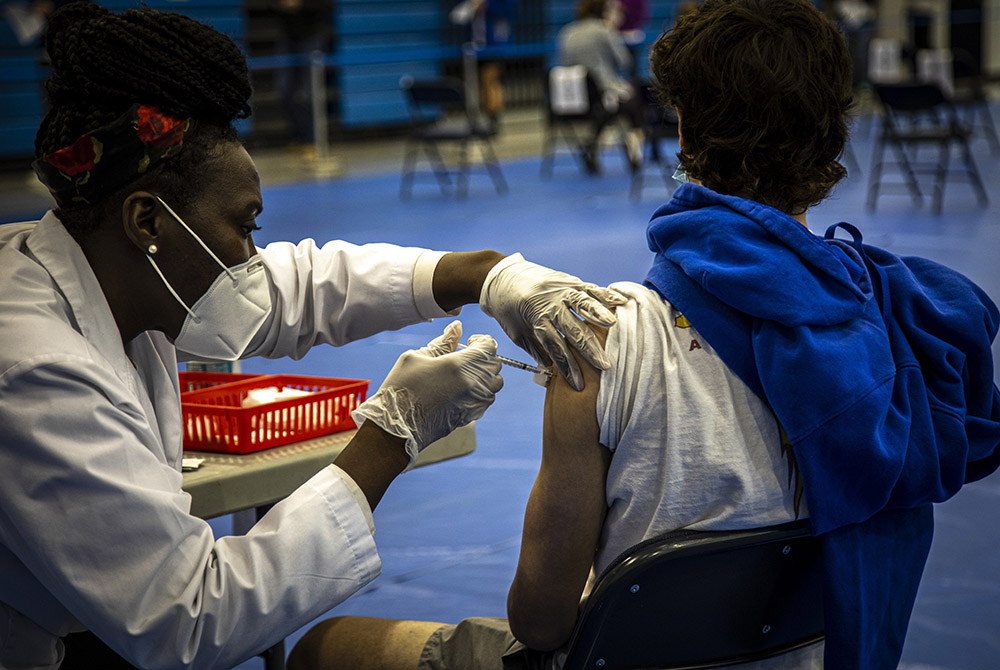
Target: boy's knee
[[308, 651]]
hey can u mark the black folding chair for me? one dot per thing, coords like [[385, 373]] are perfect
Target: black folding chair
[[971, 100], [703, 600], [570, 127], [658, 124], [85, 651], [441, 117], [916, 115]]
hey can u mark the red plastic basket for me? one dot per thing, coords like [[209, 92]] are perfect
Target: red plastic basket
[[195, 381], [215, 420]]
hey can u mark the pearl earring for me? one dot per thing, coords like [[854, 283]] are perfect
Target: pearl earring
[[152, 249]]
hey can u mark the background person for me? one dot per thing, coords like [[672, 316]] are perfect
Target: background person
[[635, 15], [489, 23], [305, 26], [629, 17], [149, 259], [589, 41], [752, 378]]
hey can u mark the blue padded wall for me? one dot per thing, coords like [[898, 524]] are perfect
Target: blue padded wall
[[369, 35], [21, 74]]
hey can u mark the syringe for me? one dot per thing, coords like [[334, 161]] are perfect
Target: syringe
[[538, 370]]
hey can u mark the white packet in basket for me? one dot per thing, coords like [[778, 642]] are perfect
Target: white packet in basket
[[268, 394]]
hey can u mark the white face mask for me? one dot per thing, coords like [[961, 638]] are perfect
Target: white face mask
[[224, 320]]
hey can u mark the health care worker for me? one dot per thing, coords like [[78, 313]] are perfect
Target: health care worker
[[149, 259]]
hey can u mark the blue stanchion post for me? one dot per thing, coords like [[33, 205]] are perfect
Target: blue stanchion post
[[317, 91], [470, 72]]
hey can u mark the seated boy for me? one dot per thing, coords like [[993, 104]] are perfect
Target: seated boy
[[677, 433], [667, 438]]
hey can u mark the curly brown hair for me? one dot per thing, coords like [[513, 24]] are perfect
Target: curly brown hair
[[763, 89]]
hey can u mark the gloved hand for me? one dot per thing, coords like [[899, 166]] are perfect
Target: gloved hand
[[430, 392], [533, 305]]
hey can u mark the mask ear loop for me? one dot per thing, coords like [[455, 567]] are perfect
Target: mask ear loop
[[204, 246], [171, 289]]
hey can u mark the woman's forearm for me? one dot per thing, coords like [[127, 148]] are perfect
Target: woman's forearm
[[459, 276], [373, 459]]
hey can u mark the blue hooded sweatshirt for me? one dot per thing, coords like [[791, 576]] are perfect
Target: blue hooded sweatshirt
[[879, 368]]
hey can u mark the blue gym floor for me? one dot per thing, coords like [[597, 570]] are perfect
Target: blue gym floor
[[449, 534]]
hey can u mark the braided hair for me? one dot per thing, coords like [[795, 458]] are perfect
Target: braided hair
[[104, 63]]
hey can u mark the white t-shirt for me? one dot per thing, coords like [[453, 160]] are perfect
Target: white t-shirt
[[693, 447]]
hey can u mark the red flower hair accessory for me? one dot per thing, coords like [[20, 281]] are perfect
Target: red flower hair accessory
[[158, 129], [81, 156], [103, 160]]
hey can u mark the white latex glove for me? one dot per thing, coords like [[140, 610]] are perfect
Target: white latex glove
[[430, 392], [535, 304]]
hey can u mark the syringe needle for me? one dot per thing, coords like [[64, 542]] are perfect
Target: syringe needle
[[514, 364]]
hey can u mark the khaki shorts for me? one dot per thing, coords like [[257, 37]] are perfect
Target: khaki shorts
[[480, 643]]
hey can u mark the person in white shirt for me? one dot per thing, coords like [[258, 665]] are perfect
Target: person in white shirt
[[595, 44], [149, 259], [667, 438]]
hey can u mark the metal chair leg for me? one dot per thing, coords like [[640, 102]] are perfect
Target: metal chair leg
[[462, 178], [908, 174], [989, 127], [635, 187], [940, 175], [493, 166], [852, 161], [875, 176], [667, 170], [438, 166], [548, 155], [974, 177], [409, 169], [274, 657]]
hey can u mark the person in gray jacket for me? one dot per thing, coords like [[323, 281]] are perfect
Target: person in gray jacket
[[591, 42]]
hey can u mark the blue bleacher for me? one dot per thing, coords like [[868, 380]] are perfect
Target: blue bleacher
[[377, 41], [369, 93], [20, 96], [21, 75]]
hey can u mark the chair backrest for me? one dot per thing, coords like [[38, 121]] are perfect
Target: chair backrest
[[918, 112], [965, 65], [936, 66], [703, 600], [427, 98], [570, 92], [911, 97], [568, 89], [659, 121], [885, 60]]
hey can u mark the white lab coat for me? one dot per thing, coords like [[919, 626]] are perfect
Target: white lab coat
[[95, 531]]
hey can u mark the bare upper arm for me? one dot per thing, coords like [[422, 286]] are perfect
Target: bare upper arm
[[564, 515]]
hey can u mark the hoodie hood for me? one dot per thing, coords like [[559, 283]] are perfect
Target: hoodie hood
[[741, 252], [868, 360]]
